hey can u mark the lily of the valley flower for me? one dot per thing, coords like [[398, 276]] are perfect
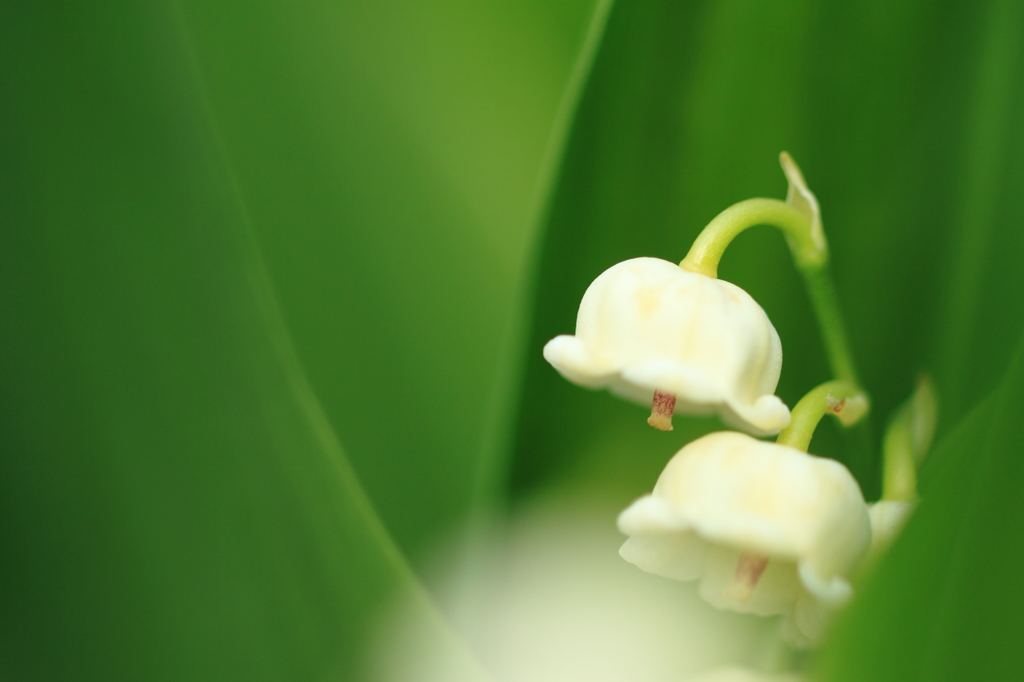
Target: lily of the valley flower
[[680, 341], [766, 528]]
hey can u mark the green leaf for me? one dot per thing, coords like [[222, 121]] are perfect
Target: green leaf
[[977, 331], [388, 155], [945, 603], [174, 503]]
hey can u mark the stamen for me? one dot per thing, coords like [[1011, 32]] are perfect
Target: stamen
[[661, 411], [748, 572]]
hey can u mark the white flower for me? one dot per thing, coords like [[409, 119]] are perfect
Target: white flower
[[766, 528], [652, 332]]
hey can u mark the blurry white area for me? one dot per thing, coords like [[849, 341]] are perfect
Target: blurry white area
[[734, 674], [548, 598]]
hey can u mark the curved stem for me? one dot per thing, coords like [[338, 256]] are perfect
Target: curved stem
[[809, 249], [799, 218], [841, 398]]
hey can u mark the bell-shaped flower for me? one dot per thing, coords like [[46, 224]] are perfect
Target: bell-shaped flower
[[766, 528], [684, 342]]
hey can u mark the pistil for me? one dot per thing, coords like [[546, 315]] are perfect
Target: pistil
[[661, 411], [748, 572]]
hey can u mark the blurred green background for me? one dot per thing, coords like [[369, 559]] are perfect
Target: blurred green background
[[275, 278]]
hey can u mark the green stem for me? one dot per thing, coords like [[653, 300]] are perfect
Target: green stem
[[799, 218], [841, 398], [808, 249], [830, 321]]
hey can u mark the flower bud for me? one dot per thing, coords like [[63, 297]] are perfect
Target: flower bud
[[654, 333], [888, 517]]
